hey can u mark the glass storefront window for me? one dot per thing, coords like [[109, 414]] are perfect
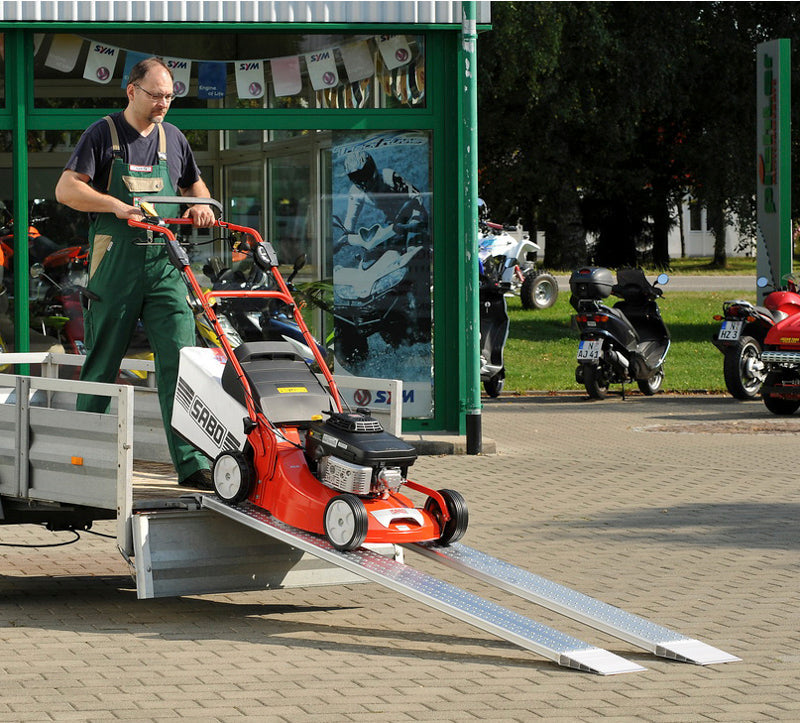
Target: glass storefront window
[[236, 71]]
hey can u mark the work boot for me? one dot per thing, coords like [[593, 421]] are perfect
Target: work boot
[[199, 480]]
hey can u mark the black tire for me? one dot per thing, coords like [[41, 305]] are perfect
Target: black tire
[[538, 291], [452, 530], [650, 386], [776, 405], [743, 369], [595, 381], [494, 385], [346, 522], [233, 476]]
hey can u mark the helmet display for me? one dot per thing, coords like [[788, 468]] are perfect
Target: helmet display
[[360, 167]]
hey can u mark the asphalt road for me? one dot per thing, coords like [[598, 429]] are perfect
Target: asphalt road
[[692, 283]]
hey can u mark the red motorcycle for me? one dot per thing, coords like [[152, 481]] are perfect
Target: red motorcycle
[[56, 299], [742, 336]]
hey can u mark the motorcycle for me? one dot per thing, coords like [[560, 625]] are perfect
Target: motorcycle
[[494, 333], [620, 344], [513, 262], [742, 332], [781, 358], [382, 286], [245, 320]]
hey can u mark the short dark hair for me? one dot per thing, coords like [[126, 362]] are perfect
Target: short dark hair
[[141, 69]]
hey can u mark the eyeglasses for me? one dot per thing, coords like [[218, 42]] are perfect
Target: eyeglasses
[[166, 97]]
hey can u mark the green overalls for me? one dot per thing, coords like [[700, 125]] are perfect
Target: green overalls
[[136, 281]]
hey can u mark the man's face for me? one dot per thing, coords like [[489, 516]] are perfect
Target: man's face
[[150, 97]]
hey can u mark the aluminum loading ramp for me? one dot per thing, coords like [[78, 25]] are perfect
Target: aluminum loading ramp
[[485, 615], [654, 638]]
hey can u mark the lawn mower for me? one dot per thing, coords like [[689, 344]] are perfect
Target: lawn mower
[[277, 432]]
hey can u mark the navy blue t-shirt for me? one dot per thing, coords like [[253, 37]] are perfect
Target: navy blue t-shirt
[[92, 155]]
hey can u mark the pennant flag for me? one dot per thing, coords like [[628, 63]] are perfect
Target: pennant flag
[[181, 74], [322, 69], [286, 78], [357, 61], [212, 79], [131, 58], [64, 52], [250, 78], [100, 62], [394, 50]]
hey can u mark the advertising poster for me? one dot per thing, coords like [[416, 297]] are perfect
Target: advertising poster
[[382, 261]]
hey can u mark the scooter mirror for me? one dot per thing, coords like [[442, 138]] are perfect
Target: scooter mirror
[[662, 279], [299, 262], [762, 282]]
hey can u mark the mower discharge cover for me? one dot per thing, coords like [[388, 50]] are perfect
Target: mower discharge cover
[[203, 413]]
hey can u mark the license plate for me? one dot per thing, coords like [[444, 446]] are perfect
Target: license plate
[[589, 350], [730, 330]]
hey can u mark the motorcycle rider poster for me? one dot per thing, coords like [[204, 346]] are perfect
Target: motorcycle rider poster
[[382, 256]]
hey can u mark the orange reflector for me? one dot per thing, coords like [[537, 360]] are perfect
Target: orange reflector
[[77, 461], [717, 317]]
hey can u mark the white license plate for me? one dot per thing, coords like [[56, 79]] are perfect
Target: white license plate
[[590, 350], [730, 330]]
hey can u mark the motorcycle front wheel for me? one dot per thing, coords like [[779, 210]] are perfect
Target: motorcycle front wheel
[[594, 379], [652, 385], [743, 369]]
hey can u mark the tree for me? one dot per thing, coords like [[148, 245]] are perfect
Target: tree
[[601, 117]]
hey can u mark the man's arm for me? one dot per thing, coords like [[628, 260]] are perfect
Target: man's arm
[[201, 214], [73, 190]]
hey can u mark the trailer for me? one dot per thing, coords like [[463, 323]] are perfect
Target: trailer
[[67, 469]]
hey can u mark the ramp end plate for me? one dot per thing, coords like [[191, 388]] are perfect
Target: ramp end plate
[[694, 651], [597, 660]]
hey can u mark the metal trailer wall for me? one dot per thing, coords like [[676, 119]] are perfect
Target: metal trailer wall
[[432, 12]]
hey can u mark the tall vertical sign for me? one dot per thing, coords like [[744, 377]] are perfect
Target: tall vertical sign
[[773, 183]]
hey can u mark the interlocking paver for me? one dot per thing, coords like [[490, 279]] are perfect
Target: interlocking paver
[[635, 502]]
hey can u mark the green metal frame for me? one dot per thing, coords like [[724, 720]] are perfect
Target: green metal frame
[[441, 116]]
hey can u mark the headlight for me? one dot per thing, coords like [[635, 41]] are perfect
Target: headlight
[[345, 292], [387, 282]]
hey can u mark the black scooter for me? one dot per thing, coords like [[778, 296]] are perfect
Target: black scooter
[[626, 343], [494, 332]]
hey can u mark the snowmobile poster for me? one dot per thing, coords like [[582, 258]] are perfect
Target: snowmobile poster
[[382, 261]]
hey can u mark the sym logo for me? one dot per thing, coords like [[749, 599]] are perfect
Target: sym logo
[[362, 397]]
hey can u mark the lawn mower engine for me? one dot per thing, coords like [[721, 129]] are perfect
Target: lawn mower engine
[[353, 453]]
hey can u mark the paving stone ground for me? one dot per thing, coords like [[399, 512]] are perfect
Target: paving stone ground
[[682, 509]]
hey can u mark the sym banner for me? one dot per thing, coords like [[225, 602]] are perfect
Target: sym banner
[[382, 261], [773, 142]]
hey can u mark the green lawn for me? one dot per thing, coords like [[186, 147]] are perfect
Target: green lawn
[[541, 348]]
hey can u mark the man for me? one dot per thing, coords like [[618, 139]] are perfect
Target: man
[[399, 202], [117, 159]]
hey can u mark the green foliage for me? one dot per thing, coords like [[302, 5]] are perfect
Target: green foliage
[[542, 344], [599, 116]]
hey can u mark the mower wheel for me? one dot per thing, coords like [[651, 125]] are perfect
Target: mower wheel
[[452, 530], [233, 476], [345, 522]]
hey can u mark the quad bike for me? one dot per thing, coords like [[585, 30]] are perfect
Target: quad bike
[[259, 412], [741, 336], [508, 260], [624, 343]]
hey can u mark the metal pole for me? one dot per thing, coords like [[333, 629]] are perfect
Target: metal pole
[[18, 97], [469, 39]]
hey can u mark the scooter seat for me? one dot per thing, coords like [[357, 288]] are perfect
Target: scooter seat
[[282, 384]]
